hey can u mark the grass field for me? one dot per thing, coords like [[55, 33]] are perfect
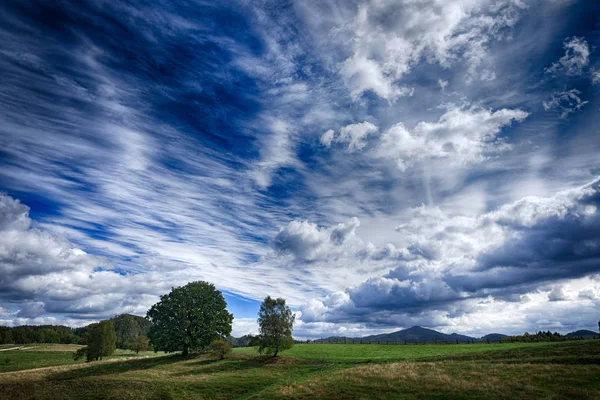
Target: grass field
[[49, 355], [500, 371], [383, 352]]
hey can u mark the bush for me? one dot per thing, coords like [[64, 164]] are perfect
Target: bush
[[219, 348], [141, 344], [80, 353]]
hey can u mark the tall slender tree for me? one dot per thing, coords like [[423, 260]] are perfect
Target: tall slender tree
[[189, 318], [276, 322]]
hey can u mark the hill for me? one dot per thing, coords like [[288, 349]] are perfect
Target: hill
[[416, 334], [419, 334], [492, 337], [584, 333]]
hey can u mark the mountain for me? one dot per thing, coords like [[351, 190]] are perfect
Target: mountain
[[583, 334], [492, 337], [419, 334], [416, 334]]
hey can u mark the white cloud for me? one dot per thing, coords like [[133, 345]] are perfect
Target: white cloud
[[353, 135], [390, 38], [576, 58], [567, 102], [244, 326], [443, 84], [307, 241], [327, 138], [276, 152], [467, 266], [462, 136]]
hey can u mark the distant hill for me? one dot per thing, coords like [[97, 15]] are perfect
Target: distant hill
[[584, 333], [492, 337], [419, 334], [416, 334]]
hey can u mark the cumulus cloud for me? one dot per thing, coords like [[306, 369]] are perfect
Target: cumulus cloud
[[576, 58], [307, 241], [27, 253], [496, 257], [390, 38], [353, 136], [567, 102], [462, 136]]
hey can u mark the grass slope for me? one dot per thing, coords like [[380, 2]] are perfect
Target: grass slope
[[557, 371], [49, 355]]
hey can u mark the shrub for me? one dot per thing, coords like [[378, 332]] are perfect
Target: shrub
[[141, 344], [219, 348]]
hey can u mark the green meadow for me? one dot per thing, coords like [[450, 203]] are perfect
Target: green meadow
[[563, 370]]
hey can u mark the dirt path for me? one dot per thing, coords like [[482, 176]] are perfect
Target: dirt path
[[14, 348]]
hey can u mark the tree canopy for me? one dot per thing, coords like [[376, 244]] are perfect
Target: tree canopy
[[102, 341], [276, 322], [128, 328], [190, 317]]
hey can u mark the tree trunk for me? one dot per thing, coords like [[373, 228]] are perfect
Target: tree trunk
[[186, 350]]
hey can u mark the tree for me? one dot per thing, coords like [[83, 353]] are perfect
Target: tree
[[276, 322], [189, 318], [219, 348], [101, 341], [141, 343], [128, 328]]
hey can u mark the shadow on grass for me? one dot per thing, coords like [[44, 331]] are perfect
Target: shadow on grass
[[115, 367], [203, 367]]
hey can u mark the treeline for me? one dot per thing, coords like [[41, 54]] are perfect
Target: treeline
[[127, 329], [540, 337], [38, 334]]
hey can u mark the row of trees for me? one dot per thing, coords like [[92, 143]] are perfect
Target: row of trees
[[127, 329], [190, 318], [38, 334]]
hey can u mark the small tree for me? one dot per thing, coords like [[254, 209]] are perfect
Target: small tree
[[276, 322], [219, 348], [101, 342], [141, 343], [190, 317]]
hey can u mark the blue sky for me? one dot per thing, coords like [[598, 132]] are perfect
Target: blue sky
[[379, 164]]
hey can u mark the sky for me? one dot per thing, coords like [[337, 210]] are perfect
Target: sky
[[379, 164]]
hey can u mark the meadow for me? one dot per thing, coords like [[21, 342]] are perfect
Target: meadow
[[562, 370]]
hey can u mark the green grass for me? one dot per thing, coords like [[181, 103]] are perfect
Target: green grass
[[20, 360], [356, 353], [49, 355], [507, 371]]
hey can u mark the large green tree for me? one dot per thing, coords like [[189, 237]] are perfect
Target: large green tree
[[276, 322], [189, 318]]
